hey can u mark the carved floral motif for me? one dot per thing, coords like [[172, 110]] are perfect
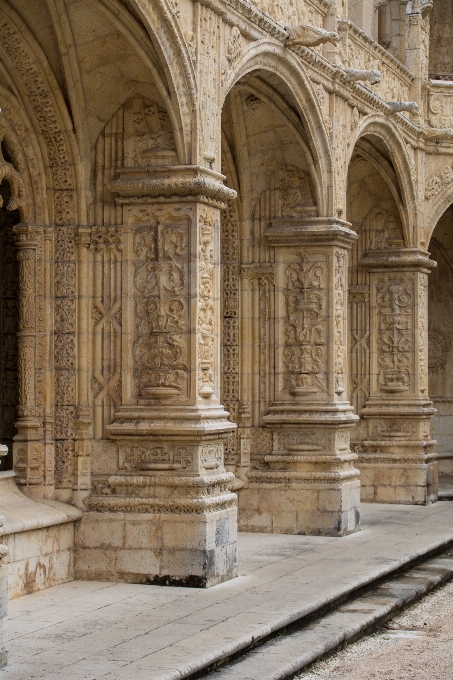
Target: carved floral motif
[[394, 344], [206, 315], [305, 326], [161, 271]]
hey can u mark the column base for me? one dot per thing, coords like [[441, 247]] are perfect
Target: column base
[[170, 550], [160, 530], [291, 508], [387, 479]]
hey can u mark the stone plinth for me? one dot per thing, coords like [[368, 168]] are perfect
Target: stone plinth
[[186, 537], [397, 460]]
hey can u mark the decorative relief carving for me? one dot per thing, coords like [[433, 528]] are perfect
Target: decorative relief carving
[[165, 457], [422, 337], [438, 349], [161, 281], [106, 237], [206, 315], [211, 456], [340, 321], [384, 230], [393, 429], [304, 441], [436, 183], [148, 137], [305, 326], [394, 298], [64, 355], [440, 113], [261, 441]]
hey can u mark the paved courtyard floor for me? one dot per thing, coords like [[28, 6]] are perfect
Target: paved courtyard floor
[[90, 630]]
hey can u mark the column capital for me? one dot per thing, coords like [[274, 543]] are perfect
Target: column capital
[[26, 235], [398, 258], [311, 231], [184, 182]]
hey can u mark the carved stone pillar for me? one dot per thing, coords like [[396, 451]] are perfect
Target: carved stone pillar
[[308, 484], [28, 450], [83, 419], [167, 516], [397, 463]]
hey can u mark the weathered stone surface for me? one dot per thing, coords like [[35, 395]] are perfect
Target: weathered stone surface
[[215, 296]]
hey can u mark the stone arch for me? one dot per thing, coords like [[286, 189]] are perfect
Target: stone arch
[[274, 58], [177, 62], [40, 97], [439, 206], [44, 103], [396, 147]]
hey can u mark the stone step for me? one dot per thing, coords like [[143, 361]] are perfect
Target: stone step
[[297, 648]]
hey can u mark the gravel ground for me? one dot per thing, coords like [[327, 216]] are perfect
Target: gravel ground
[[417, 645]]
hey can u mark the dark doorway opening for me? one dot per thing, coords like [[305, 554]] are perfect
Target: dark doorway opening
[[9, 317]]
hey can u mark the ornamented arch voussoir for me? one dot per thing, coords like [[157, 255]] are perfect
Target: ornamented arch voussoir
[[44, 103], [270, 56], [387, 131], [16, 131]]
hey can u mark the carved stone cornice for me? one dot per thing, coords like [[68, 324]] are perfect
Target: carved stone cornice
[[313, 230], [179, 181], [398, 258]]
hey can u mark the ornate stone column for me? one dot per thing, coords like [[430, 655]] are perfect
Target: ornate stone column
[[28, 450], [168, 515], [397, 462], [308, 484], [83, 416]]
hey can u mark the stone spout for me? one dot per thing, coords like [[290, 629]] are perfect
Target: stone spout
[[354, 76], [410, 107], [309, 36]]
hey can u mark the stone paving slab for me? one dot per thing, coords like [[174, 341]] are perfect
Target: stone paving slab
[[284, 656], [90, 630]]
